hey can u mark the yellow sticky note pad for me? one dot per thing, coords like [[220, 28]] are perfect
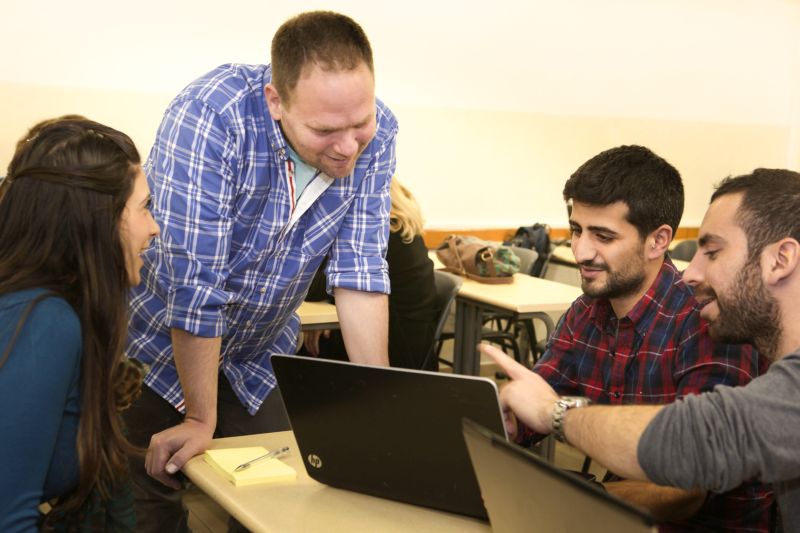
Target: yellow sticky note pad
[[266, 471]]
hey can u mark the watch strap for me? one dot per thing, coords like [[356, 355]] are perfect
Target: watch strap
[[562, 405]]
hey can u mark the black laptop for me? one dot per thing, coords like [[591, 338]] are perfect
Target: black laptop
[[388, 432], [524, 493]]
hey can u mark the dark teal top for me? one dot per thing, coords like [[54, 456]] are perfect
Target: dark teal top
[[39, 406]]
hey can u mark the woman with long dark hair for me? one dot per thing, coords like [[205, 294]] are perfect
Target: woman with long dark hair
[[74, 219]]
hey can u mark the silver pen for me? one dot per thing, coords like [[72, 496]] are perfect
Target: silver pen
[[273, 453]]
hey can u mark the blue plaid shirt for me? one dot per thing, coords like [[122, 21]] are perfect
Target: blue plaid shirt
[[236, 253]]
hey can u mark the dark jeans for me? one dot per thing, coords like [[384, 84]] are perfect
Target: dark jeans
[[158, 507]]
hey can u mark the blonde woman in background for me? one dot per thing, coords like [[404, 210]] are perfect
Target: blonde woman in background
[[412, 302]]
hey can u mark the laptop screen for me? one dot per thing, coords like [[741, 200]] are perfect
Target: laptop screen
[[389, 432], [524, 493]]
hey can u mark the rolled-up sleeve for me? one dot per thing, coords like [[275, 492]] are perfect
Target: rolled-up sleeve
[[194, 189]]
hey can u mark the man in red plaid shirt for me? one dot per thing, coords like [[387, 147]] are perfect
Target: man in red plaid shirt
[[635, 336]]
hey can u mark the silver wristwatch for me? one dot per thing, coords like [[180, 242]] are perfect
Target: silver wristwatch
[[562, 405]]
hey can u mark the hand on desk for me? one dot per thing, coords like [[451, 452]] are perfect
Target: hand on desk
[[527, 396], [311, 340], [171, 448]]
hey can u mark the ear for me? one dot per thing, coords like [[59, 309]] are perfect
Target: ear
[[273, 101], [657, 243], [780, 260]]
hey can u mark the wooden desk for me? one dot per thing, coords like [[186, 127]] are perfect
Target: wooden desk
[[435, 258], [527, 297], [318, 315], [563, 254], [305, 505]]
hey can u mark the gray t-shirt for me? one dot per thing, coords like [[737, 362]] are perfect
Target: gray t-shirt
[[719, 439]]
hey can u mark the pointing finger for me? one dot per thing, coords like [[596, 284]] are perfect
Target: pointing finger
[[513, 369]]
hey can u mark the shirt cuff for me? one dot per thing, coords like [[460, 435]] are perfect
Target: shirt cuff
[[200, 311], [359, 275]]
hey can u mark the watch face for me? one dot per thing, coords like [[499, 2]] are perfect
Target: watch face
[[563, 404], [575, 401]]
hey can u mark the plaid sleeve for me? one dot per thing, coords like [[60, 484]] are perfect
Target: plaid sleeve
[[358, 254], [556, 368], [556, 365], [194, 189], [701, 363]]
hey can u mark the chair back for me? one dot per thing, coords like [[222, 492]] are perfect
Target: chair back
[[527, 259], [684, 250], [535, 237], [447, 286]]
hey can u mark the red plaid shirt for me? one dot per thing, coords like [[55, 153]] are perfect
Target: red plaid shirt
[[658, 352]]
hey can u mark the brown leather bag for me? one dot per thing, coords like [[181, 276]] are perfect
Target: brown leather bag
[[477, 259]]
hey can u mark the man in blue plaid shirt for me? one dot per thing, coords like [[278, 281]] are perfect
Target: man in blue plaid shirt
[[258, 173]]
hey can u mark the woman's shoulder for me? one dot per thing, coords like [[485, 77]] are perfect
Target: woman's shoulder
[[416, 245], [44, 298], [403, 253], [48, 313]]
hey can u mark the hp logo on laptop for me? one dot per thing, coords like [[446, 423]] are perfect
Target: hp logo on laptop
[[314, 460]]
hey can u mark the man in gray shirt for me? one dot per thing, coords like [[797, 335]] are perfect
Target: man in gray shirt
[[747, 274]]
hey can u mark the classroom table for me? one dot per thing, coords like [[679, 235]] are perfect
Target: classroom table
[[306, 505], [562, 254], [525, 298], [318, 315]]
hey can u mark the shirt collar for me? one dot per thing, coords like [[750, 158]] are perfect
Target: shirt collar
[[277, 141], [646, 309]]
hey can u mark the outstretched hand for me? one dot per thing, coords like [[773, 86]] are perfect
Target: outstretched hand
[[527, 396]]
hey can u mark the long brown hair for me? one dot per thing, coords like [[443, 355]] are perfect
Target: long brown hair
[[60, 209]]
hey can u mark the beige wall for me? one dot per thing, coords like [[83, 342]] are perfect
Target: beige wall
[[469, 168], [497, 105], [136, 113], [501, 169]]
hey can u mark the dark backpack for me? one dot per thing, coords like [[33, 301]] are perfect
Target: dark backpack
[[536, 237]]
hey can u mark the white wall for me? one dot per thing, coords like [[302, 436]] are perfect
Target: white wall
[[498, 102]]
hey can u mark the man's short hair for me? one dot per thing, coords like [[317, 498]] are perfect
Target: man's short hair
[[770, 206], [331, 40], [650, 187]]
